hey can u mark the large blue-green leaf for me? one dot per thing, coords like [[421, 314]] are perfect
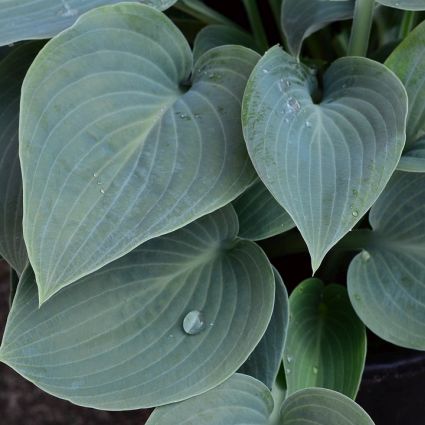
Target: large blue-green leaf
[[220, 35], [404, 4], [408, 62], [386, 282], [326, 342], [260, 215], [326, 161], [12, 71], [170, 320], [319, 406], [264, 362], [29, 19], [301, 18], [241, 400], [116, 148]]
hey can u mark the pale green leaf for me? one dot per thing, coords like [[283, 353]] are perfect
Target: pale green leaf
[[408, 62], [241, 400], [116, 148], [319, 406], [326, 161], [301, 18], [220, 35], [12, 71], [264, 362], [260, 215], [386, 282], [115, 339], [326, 342], [29, 19], [404, 4]]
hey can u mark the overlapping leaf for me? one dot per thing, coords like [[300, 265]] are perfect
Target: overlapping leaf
[[12, 71], [408, 62], [29, 19], [264, 362], [386, 282], [404, 4], [326, 161], [238, 401], [260, 215], [319, 406], [220, 35], [114, 340], [116, 149], [326, 343], [301, 18]]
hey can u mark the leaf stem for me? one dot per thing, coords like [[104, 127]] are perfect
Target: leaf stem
[[202, 12], [257, 26], [407, 24], [361, 28]]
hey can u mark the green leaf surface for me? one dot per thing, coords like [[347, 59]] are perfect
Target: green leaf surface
[[116, 148], [115, 340], [408, 62], [29, 19], [264, 362], [386, 282], [404, 4], [301, 18], [319, 406], [326, 342], [199, 10], [325, 161], [220, 35], [12, 71], [241, 400], [260, 215]]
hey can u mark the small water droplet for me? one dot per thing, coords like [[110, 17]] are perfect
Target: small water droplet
[[315, 370], [212, 324], [194, 322], [289, 358], [308, 124], [99, 183], [102, 191], [94, 175], [365, 256], [288, 371], [355, 213], [293, 105], [266, 71], [171, 336], [287, 83]]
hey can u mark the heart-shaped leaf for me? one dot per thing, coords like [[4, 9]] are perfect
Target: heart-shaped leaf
[[319, 406], [386, 281], [301, 18], [404, 4], [116, 149], [220, 35], [170, 320], [241, 400], [260, 215], [12, 71], [325, 162], [408, 62], [29, 19], [326, 342], [264, 362]]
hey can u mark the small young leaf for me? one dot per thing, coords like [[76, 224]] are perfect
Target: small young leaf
[[301, 18], [116, 149], [386, 281], [241, 400], [263, 364], [319, 406], [327, 162], [408, 62], [12, 71], [404, 4], [118, 339], [29, 19], [260, 215], [326, 342]]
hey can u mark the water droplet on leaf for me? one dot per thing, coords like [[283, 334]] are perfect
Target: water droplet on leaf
[[365, 256], [355, 213], [194, 322], [315, 370]]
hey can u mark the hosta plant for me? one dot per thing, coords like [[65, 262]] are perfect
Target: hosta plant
[[157, 158]]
